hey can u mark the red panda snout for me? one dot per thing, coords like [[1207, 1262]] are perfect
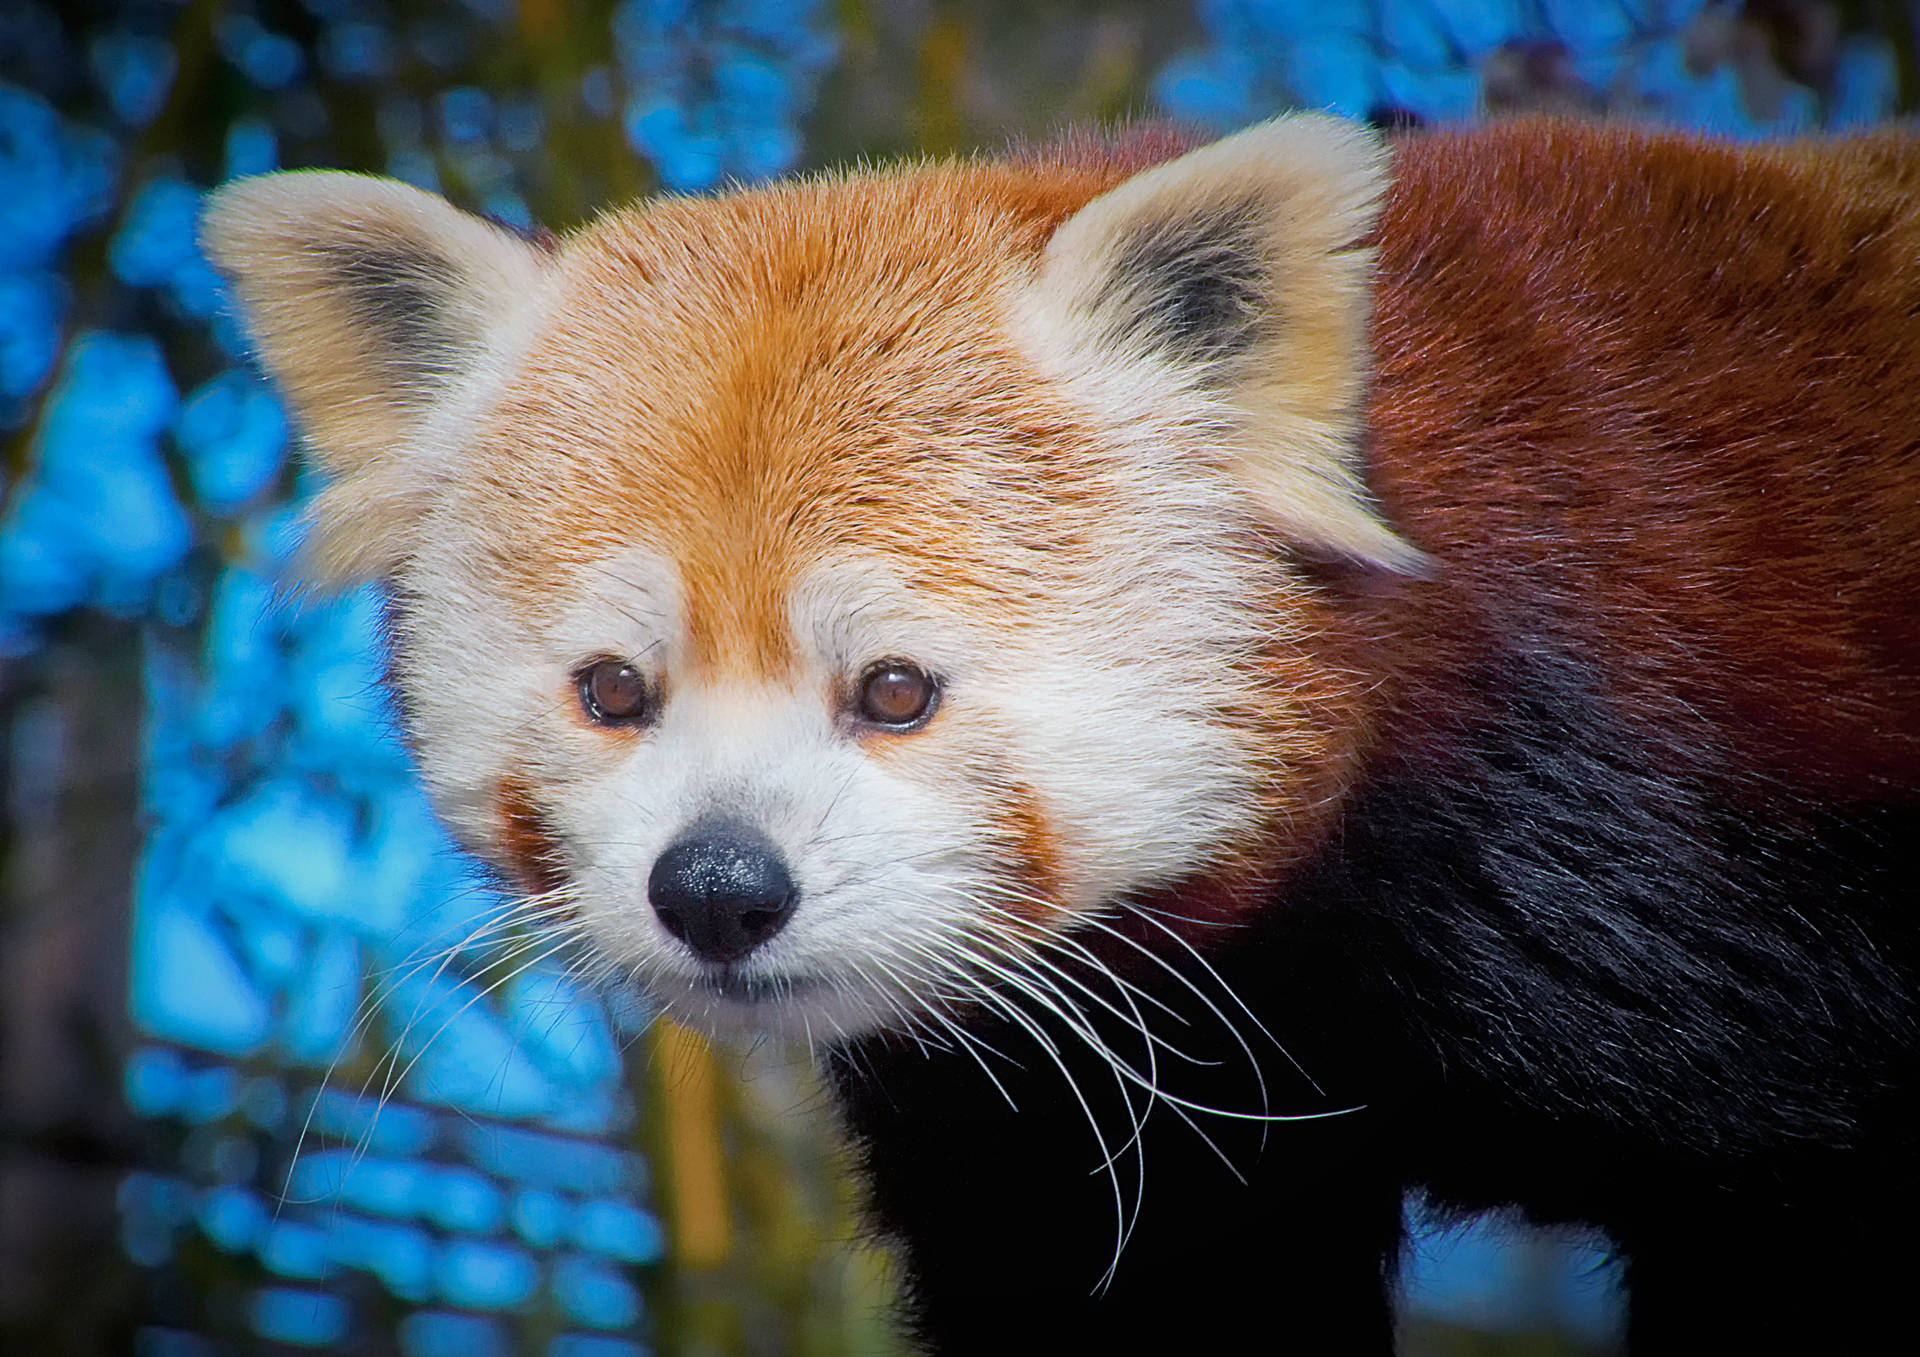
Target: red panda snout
[[722, 889]]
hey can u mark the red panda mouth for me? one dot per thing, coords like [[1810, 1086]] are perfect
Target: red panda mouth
[[728, 982]]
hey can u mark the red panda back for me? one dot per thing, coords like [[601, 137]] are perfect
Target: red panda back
[[1671, 392]]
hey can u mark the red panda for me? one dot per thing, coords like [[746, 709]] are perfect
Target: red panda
[[1213, 687]]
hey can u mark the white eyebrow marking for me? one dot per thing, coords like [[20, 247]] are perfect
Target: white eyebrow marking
[[851, 612], [629, 604]]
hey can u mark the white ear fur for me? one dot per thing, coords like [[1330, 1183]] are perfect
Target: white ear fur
[[1222, 300], [380, 310]]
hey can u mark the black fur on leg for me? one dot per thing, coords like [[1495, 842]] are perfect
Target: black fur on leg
[[1008, 1221]]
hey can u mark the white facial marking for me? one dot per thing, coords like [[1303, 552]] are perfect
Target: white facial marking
[[1098, 708]]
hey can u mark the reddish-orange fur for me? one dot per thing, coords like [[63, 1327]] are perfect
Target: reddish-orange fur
[[1716, 473], [1030, 852], [526, 839], [751, 453], [1720, 485]]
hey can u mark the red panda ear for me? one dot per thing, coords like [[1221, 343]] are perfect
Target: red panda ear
[[380, 311], [1220, 302]]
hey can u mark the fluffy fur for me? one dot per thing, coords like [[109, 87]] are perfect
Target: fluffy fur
[[1429, 683]]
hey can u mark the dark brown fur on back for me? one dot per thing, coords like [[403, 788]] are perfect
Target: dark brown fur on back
[[1673, 393]]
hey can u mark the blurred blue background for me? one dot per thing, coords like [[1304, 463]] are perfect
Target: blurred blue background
[[277, 1076]]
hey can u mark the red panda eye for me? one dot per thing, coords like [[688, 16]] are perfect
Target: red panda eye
[[614, 693], [896, 694]]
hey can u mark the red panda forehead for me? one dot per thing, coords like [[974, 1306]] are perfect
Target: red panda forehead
[[754, 387], [852, 245]]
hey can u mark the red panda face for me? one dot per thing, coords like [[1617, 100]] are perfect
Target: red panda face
[[822, 596]]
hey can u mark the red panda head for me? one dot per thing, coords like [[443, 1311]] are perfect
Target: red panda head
[[819, 594]]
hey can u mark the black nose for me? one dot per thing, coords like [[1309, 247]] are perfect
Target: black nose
[[721, 890]]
